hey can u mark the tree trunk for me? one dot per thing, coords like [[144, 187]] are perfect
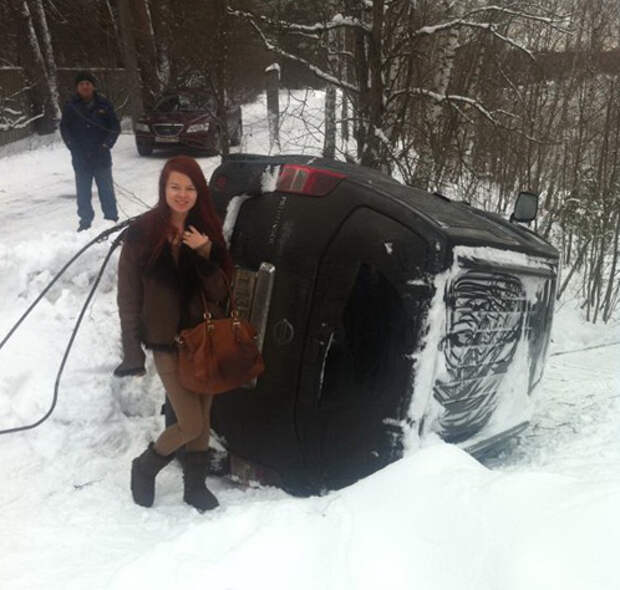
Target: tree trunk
[[598, 280], [147, 54], [580, 256], [161, 17], [48, 55], [607, 311], [44, 104], [117, 33], [344, 71], [425, 175], [569, 248], [361, 106], [136, 107], [614, 298], [374, 152], [272, 82], [222, 78]]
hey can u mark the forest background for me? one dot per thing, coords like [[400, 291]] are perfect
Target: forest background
[[476, 99]]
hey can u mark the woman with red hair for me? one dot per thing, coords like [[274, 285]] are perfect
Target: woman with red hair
[[170, 255]]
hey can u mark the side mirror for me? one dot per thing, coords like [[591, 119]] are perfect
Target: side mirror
[[526, 207]]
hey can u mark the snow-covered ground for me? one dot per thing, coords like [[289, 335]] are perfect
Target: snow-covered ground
[[544, 515]]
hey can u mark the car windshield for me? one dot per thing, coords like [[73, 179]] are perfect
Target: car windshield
[[175, 103]]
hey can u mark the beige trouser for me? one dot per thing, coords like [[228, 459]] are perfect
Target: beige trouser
[[192, 410]]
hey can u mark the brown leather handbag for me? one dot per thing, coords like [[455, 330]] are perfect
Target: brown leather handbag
[[218, 355]]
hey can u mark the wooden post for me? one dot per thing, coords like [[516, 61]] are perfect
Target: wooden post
[[344, 76], [272, 82], [329, 144]]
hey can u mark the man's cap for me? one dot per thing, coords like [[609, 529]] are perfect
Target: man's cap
[[84, 75]]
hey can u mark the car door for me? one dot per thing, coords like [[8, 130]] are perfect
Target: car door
[[357, 369]]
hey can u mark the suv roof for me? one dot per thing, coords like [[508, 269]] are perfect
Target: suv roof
[[460, 223]]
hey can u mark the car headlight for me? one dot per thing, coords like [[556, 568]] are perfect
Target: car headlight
[[142, 127], [198, 128]]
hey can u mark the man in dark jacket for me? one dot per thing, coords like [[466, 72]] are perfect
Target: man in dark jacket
[[89, 128]]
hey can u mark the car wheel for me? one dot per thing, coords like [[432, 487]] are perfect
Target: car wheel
[[145, 148]]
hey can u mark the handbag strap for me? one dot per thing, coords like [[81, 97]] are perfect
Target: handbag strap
[[234, 313]]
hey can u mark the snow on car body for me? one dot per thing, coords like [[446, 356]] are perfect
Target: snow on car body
[[385, 313]]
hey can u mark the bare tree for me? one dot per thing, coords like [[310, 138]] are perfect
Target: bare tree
[[161, 17], [220, 80], [48, 54], [39, 66], [146, 52], [400, 107], [136, 105]]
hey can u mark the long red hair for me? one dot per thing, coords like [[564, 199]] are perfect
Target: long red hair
[[157, 221]]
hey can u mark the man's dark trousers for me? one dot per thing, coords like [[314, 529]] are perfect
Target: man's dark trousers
[[84, 174]]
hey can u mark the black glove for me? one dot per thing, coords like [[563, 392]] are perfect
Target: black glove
[[124, 371]]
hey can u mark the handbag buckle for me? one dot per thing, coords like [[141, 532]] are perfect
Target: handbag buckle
[[209, 319]]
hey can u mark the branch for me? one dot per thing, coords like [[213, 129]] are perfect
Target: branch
[[520, 14], [464, 22], [337, 22], [449, 98], [318, 72], [20, 91], [490, 27], [453, 99], [19, 123], [392, 153]]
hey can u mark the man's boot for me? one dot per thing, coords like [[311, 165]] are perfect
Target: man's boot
[[144, 469], [195, 467]]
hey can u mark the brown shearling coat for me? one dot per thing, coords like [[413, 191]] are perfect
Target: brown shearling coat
[[156, 301]]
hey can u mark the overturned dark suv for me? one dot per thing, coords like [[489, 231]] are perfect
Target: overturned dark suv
[[385, 313], [186, 118]]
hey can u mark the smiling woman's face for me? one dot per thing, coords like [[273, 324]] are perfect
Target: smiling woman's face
[[181, 194]]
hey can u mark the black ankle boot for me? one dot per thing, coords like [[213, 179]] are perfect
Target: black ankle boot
[[144, 469], [195, 467]]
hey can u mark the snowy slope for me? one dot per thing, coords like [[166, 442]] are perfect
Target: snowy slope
[[546, 515]]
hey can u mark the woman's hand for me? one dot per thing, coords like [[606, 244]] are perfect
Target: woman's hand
[[193, 238], [125, 370]]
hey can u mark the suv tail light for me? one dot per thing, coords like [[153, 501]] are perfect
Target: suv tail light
[[304, 180]]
